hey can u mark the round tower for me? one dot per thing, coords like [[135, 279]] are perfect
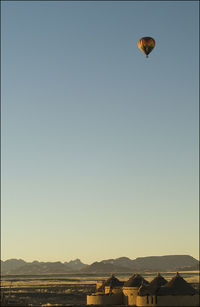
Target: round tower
[[131, 287]]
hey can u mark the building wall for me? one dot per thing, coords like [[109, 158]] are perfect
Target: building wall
[[169, 300], [105, 299], [99, 284], [143, 301], [117, 290], [109, 289], [130, 295]]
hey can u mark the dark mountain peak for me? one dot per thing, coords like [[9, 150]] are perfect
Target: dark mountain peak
[[123, 258], [75, 265], [76, 261], [13, 260]]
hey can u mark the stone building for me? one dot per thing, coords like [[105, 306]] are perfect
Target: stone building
[[107, 293], [139, 292], [131, 288]]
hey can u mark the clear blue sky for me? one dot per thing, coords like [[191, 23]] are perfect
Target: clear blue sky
[[99, 144]]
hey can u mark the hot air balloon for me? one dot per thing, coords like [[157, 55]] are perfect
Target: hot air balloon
[[146, 45]]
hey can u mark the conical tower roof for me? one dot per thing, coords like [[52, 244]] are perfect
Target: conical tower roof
[[135, 281], [177, 286], [158, 281], [112, 281], [144, 289]]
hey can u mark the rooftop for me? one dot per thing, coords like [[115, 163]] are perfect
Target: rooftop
[[135, 281], [177, 286]]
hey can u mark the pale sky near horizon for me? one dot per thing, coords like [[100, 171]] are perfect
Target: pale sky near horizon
[[99, 144]]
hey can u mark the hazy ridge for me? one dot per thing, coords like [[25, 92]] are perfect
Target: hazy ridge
[[122, 264]]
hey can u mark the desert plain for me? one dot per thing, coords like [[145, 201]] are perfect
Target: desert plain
[[65, 289]]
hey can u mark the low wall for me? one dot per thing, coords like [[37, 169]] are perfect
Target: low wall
[[169, 300], [143, 301], [105, 299]]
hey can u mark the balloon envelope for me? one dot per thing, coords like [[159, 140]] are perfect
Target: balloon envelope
[[146, 45]]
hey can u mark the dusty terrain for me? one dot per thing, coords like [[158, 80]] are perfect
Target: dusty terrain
[[65, 289]]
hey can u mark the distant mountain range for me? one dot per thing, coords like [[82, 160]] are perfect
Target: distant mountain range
[[119, 265], [142, 264], [15, 266]]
